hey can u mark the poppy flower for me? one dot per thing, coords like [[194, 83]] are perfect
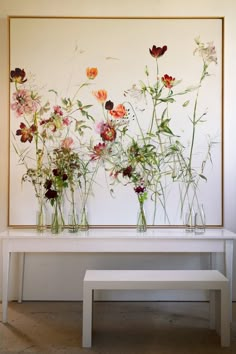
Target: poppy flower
[[157, 52], [119, 111], [168, 81], [101, 95], [18, 76], [91, 73], [26, 133], [108, 133]]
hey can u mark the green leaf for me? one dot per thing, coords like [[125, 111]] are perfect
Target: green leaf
[[185, 104], [203, 177]]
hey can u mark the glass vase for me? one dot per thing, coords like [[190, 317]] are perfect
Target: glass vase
[[141, 225], [84, 225], [41, 217], [189, 220], [57, 223], [200, 220], [73, 220]]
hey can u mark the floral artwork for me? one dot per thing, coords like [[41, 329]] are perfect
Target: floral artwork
[[143, 150]]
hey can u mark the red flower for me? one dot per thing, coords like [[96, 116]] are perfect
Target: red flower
[[26, 133], [168, 81], [119, 111], [157, 52], [140, 189], [18, 76], [108, 132], [98, 151], [127, 171]]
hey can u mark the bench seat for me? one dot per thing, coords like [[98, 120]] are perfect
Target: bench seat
[[211, 280]]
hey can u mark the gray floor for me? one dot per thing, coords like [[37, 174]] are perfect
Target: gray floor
[[119, 328]]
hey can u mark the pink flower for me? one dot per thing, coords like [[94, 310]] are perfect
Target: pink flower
[[25, 102], [67, 142], [119, 111], [99, 127], [98, 151], [57, 110], [66, 121]]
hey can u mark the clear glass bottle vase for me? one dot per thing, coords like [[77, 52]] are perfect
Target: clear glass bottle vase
[[41, 225], [189, 220], [200, 220], [84, 225], [73, 220], [141, 225], [57, 221]]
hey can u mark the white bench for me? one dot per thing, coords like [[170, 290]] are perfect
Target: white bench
[[211, 280]]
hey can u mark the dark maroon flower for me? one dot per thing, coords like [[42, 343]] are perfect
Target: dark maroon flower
[[26, 133], [109, 105], [48, 184], [51, 194], [56, 172], [64, 177], [140, 189], [128, 171], [157, 52], [18, 76]]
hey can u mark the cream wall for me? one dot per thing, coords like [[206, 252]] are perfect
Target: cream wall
[[64, 265]]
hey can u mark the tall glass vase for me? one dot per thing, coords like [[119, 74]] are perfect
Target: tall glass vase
[[73, 222], [84, 225], [141, 225], [57, 223], [41, 216]]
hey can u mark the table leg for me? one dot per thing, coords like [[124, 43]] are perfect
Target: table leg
[[229, 269], [5, 278], [21, 276]]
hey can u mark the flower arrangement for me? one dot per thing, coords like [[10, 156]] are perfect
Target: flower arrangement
[[62, 161]]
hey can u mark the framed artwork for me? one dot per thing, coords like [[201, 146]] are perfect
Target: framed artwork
[[113, 114]]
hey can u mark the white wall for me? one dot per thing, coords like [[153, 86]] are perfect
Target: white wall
[[57, 277]]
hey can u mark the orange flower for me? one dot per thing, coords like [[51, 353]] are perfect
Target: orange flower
[[119, 111], [91, 73], [101, 95]]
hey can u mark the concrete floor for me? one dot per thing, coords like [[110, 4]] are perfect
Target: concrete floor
[[119, 328]]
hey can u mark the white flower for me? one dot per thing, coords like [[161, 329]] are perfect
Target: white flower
[[207, 52]]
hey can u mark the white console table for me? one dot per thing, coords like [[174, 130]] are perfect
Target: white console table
[[113, 241]]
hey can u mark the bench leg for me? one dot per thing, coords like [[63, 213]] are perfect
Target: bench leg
[[87, 317], [225, 317], [212, 309]]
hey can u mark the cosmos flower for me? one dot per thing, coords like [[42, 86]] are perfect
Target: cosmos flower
[[26, 133]]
